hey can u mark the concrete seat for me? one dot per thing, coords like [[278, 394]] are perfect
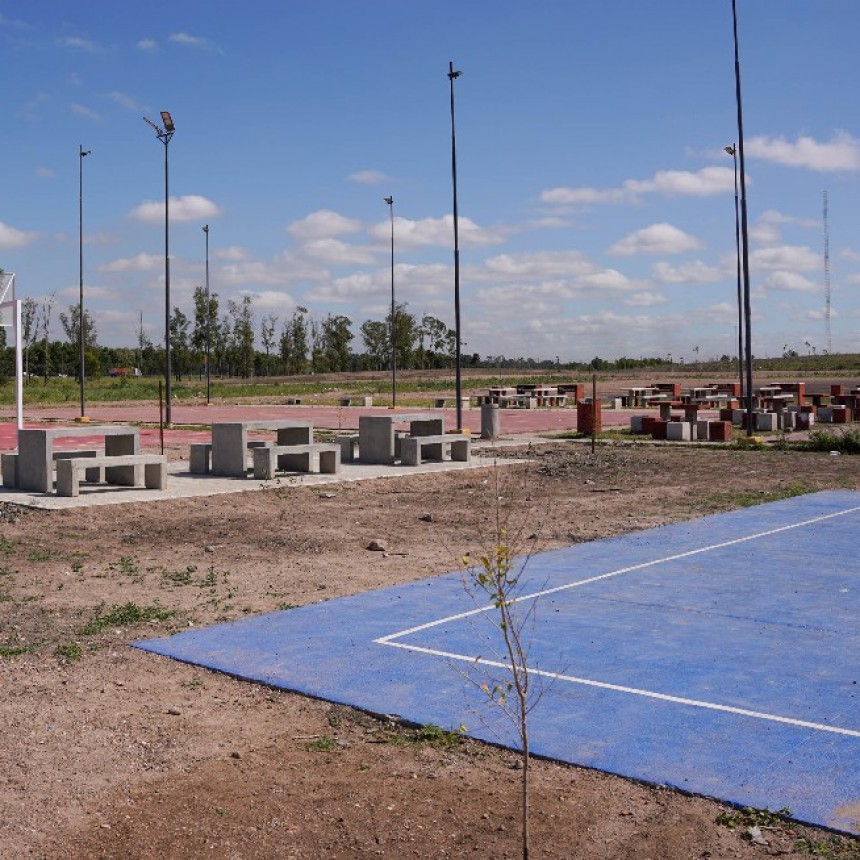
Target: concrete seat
[[120, 469], [295, 458], [413, 449]]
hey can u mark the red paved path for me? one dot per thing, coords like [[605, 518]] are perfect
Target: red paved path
[[513, 421]]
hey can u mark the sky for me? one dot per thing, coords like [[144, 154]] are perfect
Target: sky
[[596, 201]]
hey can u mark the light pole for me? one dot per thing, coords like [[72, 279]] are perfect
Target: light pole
[[164, 135], [452, 76], [208, 320], [745, 257], [732, 150], [390, 202], [82, 153]]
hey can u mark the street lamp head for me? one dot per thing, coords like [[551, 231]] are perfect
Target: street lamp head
[[85, 152], [206, 228], [453, 75], [168, 122], [729, 150], [389, 200]]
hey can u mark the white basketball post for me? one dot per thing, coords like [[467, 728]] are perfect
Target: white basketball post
[[10, 317]]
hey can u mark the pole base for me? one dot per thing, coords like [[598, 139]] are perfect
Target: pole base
[[82, 419]]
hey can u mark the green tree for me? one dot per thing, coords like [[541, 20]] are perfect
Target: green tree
[[376, 343], [243, 334], [405, 335], [71, 323], [294, 343], [205, 324], [335, 336], [267, 337], [179, 341]]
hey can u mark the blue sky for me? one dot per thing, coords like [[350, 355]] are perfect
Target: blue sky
[[596, 202]]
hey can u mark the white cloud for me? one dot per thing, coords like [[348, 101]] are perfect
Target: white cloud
[[657, 239], [703, 183], [194, 42], [149, 46], [841, 153], [436, 232], [337, 253], [546, 264], [696, 272], [791, 281], [323, 224], [84, 112], [645, 299], [125, 101], [45, 172], [231, 252], [191, 207], [582, 196], [11, 238], [139, 263], [274, 300], [790, 257], [77, 43], [368, 177]]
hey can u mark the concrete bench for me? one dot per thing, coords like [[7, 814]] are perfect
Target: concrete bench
[[120, 469], [442, 402], [356, 401], [414, 448], [293, 401], [295, 458], [200, 456], [9, 465], [348, 447]]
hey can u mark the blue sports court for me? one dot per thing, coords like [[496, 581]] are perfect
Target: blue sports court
[[720, 656]]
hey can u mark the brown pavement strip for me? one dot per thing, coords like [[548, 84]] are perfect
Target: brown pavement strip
[[512, 421]]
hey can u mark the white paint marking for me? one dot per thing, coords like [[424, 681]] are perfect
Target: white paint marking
[[635, 691], [695, 703], [388, 640]]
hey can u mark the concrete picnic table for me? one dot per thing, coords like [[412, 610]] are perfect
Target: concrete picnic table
[[35, 467], [376, 439], [230, 442]]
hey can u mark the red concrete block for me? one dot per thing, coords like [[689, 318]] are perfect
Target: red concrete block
[[726, 414], [648, 424], [840, 415], [589, 418], [837, 390], [719, 431], [658, 431]]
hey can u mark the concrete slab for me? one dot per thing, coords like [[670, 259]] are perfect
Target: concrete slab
[[182, 484], [720, 656]]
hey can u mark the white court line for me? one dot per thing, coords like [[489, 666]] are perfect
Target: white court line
[[388, 640], [635, 691], [713, 706]]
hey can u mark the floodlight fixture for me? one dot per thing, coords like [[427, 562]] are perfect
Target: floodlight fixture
[[168, 122]]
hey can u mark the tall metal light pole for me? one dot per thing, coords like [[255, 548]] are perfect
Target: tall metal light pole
[[452, 76], [164, 135], [732, 150], [390, 202], [208, 321], [744, 231], [82, 153]]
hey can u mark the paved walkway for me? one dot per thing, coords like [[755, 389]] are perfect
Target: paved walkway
[[188, 416]]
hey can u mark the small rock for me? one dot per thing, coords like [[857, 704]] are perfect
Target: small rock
[[377, 546], [328, 495], [426, 518], [754, 836], [235, 754], [209, 548], [174, 712]]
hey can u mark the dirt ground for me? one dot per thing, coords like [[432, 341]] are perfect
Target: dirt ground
[[109, 752]]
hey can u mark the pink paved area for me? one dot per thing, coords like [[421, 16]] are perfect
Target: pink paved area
[[513, 421]]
